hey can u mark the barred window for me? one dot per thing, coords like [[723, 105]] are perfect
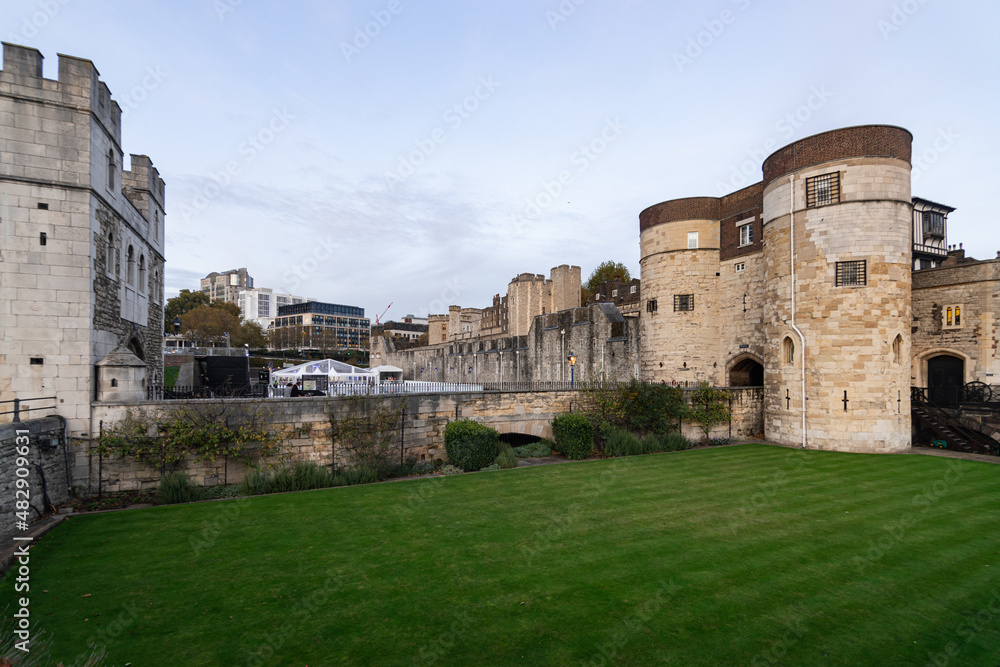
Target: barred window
[[822, 190], [683, 302], [651, 306], [852, 273]]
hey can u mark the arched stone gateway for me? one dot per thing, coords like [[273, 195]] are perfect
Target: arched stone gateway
[[746, 370]]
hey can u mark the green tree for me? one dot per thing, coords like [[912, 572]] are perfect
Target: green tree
[[208, 324], [183, 303], [250, 333], [709, 407], [606, 271]]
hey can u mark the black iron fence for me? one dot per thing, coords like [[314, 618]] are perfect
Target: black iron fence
[[159, 392]]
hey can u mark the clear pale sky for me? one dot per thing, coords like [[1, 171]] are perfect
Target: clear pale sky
[[420, 163]]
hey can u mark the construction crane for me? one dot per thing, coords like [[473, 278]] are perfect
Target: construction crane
[[378, 319]]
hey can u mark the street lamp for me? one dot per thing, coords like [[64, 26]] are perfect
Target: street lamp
[[177, 325], [572, 363]]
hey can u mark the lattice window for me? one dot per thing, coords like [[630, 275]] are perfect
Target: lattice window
[[852, 273], [823, 190], [683, 302], [651, 306]]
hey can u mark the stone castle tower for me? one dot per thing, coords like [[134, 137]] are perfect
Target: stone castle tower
[[826, 326], [81, 239]]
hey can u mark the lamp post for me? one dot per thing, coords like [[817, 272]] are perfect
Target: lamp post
[[572, 363]]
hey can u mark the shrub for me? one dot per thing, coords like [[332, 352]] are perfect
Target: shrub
[[471, 445], [534, 450], [574, 435], [310, 475], [449, 469], [491, 467], [507, 459], [719, 441], [709, 407], [350, 476], [254, 482], [636, 406], [675, 442], [620, 442], [175, 487]]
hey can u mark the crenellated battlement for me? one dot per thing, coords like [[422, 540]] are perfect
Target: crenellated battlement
[[79, 84]]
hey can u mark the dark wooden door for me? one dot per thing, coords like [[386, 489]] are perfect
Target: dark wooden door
[[945, 376]]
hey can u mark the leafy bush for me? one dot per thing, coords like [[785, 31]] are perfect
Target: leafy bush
[[574, 435], [471, 445], [709, 407], [507, 459], [533, 450], [636, 406], [175, 487], [449, 469], [719, 441], [490, 467]]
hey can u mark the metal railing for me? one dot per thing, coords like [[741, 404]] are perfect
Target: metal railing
[[17, 406], [159, 392]]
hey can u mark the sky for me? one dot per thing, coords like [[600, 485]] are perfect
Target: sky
[[424, 153]]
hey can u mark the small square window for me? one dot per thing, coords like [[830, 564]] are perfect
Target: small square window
[[823, 190], [632, 290], [651, 306], [851, 273], [740, 266], [683, 302], [746, 235], [614, 293], [692, 240]]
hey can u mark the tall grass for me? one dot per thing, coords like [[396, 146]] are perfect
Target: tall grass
[[622, 443], [175, 487], [303, 476]]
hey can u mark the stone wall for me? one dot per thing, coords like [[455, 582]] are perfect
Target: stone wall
[[973, 286], [305, 423], [605, 343], [52, 460]]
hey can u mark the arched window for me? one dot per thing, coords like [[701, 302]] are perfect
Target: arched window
[[111, 169], [897, 349], [788, 351], [142, 274], [130, 267], [155, 288]]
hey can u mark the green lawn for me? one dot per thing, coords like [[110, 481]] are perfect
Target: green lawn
[[741, 555]]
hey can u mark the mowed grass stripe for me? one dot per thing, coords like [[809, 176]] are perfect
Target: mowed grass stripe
[[550, 563]]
